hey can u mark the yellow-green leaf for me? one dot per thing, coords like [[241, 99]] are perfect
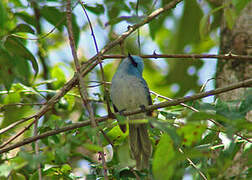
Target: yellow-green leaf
[[205, 26], [230, 17], [162, 166]]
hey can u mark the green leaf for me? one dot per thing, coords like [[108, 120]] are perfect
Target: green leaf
[[12, 98], [66, 168], [97, 9], [5, 170], [115, 7], [230, 17], [116, 135], [240, 4], [187, 34], [13, 113], [76, 30], [124, 157], [133, 19], [199, 116], [229, 110], [58, 73], [23, 28], [192, 133], [170, 115], [169, 130], [121, 119], [62, 154], [162, 166], [70, 101], [53, 16], [204, 26], [26, 17], [3, 15], [17, 176], [129, 19], [18, 163], [7, 75], [15, 46], [92, 147], [246, 105]]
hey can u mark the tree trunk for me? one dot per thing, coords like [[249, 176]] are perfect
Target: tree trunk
[[237, 41]]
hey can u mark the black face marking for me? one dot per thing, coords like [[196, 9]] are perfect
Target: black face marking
[[132, 60]]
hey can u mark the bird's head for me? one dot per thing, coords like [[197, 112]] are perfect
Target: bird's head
[[134, 63]]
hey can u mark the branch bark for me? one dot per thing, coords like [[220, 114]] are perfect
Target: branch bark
[[92, 62], [174, 102]]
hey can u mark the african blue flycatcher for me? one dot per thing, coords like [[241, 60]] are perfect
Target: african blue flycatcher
[[130, 91]]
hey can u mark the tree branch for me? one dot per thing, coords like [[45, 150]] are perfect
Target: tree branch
[[185, 56], [82, 87], [174, 102], [88, 66]]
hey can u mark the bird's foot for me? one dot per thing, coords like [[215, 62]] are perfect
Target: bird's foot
[[121, 111], [142, 107]]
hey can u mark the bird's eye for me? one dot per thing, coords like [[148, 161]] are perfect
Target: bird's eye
[[132, 60]]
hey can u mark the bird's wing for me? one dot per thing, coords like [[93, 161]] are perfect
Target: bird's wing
[[147, 91], [123, 127]]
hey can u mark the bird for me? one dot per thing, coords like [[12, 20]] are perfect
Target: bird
[[130, 91]]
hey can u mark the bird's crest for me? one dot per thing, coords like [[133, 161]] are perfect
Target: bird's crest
[[132, 60]]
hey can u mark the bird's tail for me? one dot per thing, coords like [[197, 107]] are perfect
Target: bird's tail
[[140, 145]]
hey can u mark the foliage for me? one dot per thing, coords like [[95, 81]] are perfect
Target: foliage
[[35, 64]]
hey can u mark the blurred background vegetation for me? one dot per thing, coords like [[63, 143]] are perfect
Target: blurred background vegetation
[[36, 61]]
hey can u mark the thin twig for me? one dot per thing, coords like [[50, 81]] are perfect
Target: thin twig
[[138, 31], [20, 104], [106, 93], [185, 56], [18, 134], [194, 166], [91, 63], [47, 34], [196, 110], [204, 85], [170, 99], [14, 125], [175, 102], [136, 175], [37, 149], [82, 88]]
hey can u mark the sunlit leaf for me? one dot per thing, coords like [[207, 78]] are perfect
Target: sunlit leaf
[[13, 113], [5, 170], [116, 135], [66, 168], [162, 166], [191, 132], [58, 73], [93, 147]]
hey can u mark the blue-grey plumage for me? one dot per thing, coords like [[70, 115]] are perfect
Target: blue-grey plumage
[[130, 91]]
